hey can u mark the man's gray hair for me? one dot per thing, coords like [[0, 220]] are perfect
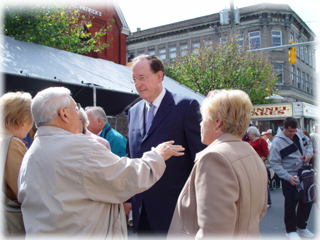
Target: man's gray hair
[[46, 104], [253, 130], [97, 112]]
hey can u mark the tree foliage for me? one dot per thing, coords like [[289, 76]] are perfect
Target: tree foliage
[[59, 26], [226, 66]]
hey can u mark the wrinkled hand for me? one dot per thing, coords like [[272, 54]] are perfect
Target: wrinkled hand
[[306, 158], [293, 181], [167, 150], [127, 208]]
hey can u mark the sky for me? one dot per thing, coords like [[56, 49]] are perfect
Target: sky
[[146, 14]]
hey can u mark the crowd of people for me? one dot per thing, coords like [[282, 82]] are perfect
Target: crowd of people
[[184, 170]]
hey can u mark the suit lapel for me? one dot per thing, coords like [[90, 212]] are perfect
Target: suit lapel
[[141, 111], [164, 108]]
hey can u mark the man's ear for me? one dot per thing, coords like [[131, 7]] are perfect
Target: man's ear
[[63, 115], [99, 121], [160, 76]]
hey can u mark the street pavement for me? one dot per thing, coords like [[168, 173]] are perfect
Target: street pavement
[[272, 225]]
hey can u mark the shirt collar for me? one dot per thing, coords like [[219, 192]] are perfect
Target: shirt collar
[[158, 100]]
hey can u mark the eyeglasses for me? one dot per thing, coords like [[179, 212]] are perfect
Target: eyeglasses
[[141, 79], [77, 107]]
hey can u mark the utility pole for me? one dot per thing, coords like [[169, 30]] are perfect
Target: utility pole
[[232, 20]]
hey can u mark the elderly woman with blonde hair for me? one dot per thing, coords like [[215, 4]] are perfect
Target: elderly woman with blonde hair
[[16, 122], [225, 194]]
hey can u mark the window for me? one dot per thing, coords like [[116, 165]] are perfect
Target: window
[[278, 70], [313, 59], [184, 49], [162, 54], [293, 76], [311, 85], [307, 84], [208, 43], [172, 53], [195, 47], [254, 40], [141, 52], [310, 58], [301, 53], [298, 78], [303, 81], [240, 40], [151, 52], [297, 49], [276, 38], [306, 54], [223, 40], [291, 37]]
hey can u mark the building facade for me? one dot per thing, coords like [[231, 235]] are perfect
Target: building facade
[[263, 26], [102, 14]]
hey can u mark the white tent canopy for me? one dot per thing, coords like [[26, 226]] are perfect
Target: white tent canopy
[[34, 61]]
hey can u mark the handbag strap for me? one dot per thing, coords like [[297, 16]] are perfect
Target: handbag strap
[[4, 150]]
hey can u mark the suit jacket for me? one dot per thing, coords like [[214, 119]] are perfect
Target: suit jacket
[[225, 194], [178, 118]]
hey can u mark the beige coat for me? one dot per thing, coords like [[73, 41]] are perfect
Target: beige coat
[[70, 185], [225, 195]]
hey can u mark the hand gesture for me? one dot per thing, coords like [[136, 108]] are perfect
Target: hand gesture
[[167, 150]]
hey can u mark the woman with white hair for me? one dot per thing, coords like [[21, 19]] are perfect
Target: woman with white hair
[[258, 143], [83, 128], [224, 195]]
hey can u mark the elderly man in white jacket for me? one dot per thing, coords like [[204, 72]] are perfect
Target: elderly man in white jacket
[[69, 184]]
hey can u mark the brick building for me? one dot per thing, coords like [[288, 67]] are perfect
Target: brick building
[[102, 16]]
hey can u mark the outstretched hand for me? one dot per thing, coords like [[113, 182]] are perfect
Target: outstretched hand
[[167, 150]]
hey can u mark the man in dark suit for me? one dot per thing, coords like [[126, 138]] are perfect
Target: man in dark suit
[[172, 117]]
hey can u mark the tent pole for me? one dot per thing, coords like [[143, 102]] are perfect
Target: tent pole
[[94, 96]]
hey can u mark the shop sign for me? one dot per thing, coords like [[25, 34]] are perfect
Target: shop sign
[[89, 10], [272, 111]]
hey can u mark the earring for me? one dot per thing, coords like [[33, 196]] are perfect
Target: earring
[[216, 131]]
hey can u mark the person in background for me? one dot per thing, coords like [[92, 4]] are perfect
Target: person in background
[[245, 137], [270, 138], [259, 144], [84, 122], [269, 141], [261, 147], [99, 125], [264, 135], [290, 149], [16, 122], [305, 132], [70, 185], [315, 139], [160, 116], [225, 194]]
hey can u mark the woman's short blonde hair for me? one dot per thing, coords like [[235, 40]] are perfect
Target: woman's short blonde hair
[[15, 108], [232, 107]]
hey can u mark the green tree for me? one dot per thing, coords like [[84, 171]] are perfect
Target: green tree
[[226, 66], [59, 26]]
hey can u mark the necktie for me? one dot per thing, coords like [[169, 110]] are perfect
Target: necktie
[[149, 117]]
